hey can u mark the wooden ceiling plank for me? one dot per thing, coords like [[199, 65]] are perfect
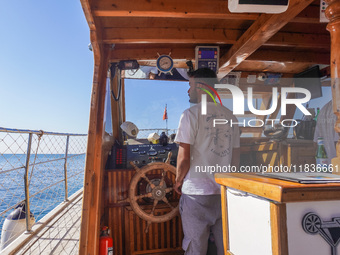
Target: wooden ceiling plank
[[258, 34], [169, 9], [170, 35], [185, 9], [189, 53], [249, 41], [311, 14], [290, 56], [299, 40], [147, 22]]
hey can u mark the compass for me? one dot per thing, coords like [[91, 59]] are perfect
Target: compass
[[165, 64]]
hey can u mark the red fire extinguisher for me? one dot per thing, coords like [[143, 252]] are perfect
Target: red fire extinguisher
[[105, 242]]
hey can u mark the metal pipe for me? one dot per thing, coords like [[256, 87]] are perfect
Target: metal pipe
[[65, 167], [37, 132], [40, 163], [27, 194]]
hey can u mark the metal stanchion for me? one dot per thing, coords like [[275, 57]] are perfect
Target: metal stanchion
[[27, 194], [65, 167]]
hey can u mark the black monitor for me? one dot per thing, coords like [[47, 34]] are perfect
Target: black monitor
[[309, 79]]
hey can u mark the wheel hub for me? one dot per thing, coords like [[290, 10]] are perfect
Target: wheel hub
[[158, 193]]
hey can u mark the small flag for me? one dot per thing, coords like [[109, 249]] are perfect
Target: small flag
[[165, 114]]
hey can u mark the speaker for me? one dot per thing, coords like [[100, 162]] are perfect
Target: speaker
[[258, 6]]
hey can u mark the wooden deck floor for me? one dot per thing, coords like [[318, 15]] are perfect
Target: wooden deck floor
[[57, 236], [60, 236]]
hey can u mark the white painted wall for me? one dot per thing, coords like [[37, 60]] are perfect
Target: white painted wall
[[249, 225]]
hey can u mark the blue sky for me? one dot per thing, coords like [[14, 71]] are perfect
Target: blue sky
[[146, 99], [45, 66], [46, 72]]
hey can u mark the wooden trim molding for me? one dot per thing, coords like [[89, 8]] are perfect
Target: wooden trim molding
[[90, 225], [279, 190], [278, 223], [225, 218]]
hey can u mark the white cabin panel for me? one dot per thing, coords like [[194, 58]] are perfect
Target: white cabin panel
[[249, 224]]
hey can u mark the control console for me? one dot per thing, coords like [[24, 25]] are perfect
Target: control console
[[140, 155]]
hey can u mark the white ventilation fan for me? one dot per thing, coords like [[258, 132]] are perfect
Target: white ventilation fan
[[258, 6]]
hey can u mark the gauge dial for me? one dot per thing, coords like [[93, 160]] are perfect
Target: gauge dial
[[165, 63]]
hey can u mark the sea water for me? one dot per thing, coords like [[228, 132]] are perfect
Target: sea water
[[47, 186]]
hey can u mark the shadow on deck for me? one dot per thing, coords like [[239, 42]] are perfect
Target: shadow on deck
[[57, 233]]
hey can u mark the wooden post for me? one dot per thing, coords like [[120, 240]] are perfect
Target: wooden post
[[333, 14]]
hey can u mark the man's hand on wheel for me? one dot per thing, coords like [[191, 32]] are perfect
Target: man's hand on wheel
[[178, 187]]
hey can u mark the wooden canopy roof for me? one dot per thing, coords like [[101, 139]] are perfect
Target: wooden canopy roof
[[139, 29]]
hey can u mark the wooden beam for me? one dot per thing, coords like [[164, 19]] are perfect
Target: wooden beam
[[177, 63], [91, 209], [290, 56], [171, 35], [272, 67], [245, 43], [299, 40], [169, 9], [224, 207], [278, 225], [265, 27], [151, 54], [199, 9], [88, 13], [189, 53]]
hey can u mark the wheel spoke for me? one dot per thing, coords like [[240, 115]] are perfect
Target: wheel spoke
[[167, 190], [144, 195], [162, 179], [152, 186], [155, 202], [167, 202]]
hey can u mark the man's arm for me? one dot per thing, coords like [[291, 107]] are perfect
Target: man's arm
[[183, 165]]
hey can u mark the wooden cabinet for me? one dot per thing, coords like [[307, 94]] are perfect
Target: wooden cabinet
[[274, 153], [267, 216]]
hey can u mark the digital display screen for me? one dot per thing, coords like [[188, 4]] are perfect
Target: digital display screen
[[207, 54]]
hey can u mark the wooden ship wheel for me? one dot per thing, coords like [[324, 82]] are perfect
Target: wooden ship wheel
[[157, 188]]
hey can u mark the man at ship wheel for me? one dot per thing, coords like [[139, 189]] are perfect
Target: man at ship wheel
[[204, 149]]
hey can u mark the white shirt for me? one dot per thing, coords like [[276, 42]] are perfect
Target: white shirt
[[325, 129], [210, 146]]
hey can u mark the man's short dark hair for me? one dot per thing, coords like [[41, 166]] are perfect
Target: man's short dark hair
[[206, 75]]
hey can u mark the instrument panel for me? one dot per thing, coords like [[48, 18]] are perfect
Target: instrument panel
[[140, 155]]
